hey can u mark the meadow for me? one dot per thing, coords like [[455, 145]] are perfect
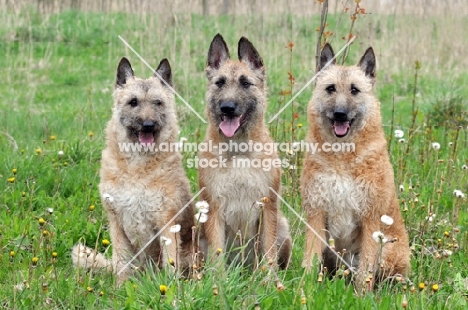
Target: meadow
[[58, 73]]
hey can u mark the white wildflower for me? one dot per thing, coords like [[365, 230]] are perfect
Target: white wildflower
[[60, 153], [202, 206], [430, 217], [379, 237], [387, 220], [108, 197], [175, 229], [464, 167], [459, 194], [50, 210], [435, 146], [201, 217], [402, 188], [166, 241], [399, 133], [401, 141]]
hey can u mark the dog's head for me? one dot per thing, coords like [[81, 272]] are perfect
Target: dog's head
[[144, 108], [236, 89], [343, 97]]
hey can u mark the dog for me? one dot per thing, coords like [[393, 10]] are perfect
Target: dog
[[236, 103], [141, 188], [349, 196]]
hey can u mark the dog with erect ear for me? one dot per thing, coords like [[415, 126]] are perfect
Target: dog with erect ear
[[241, 190], [349, 194], [143, 189]]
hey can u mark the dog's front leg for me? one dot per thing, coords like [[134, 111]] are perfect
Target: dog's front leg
[[269, 231], [214, 230], [316, 226]]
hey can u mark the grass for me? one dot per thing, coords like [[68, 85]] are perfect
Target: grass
[[58, 73]]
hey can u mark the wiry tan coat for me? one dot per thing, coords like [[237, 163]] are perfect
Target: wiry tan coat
[[142, 190], [236, 94], [345, 193]]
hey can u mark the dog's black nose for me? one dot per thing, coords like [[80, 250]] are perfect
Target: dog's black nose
[[148, 126], [340, 115], [228, 107]]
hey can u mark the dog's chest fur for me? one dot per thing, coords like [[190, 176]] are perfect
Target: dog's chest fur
[[344, 200]]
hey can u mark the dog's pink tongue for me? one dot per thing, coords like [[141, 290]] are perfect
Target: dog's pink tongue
[[146, 137], [341, 128], [229, 126]]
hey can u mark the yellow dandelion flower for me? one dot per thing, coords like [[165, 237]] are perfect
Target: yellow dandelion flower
[[421, 286], [11, 180], [89, 289], [41, 221], [91, 208], [105, 242], [446, 234], [38, 151], [14, 170], [101, 293], [91, 134], [219, 251], [45, 233], [23, 194], [299, 125], [52, 137], [163, 289], [435, 288], [171, 261], [54, 254], [12, 253], [35, 260]]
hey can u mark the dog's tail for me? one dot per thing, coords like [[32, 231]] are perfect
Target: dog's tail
[[87, 258]]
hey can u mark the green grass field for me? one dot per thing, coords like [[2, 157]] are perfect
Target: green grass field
[[58, 72]]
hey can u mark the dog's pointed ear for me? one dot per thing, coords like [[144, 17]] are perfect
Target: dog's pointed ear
[[326, 56], [124, 72], [164, 71], [218, 52], [367, 63], [248, 54]]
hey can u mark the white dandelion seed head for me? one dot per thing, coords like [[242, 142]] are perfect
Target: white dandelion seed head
[[450, 143], [202, 206], [107, 197], [401, 188], [464, 167], [401, 141], [387, 220], [166, 241], [201, 217], [399, 133], [60, 153], [175, 228], [430, 217], [459, 194], [50, 210], [435, 146], [379, 237]]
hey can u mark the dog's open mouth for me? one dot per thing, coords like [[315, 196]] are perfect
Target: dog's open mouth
[[145, 137], [230, 125], [341, 128]]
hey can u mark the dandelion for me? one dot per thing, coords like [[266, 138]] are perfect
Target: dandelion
[[399, 133], [175, 228], [34, 260], [14, 170], [299, 125], [202, 206], [435, 146], [201, 217], [401, 140], [91, 208], [52, 137], [379, 237], [166, 241], [11, 180], [162, 289], [421, 286], [54, 254], [89, 289], [401, 188], [105, 242], [101, 293], [41, 221], [387, 220], [435, 288], [108, 197], [171, 261], [12, 253], [60, 153], [91, 134], [430, 218], [23, 194], [38, 151], [50, 210], [219, 251], [464, 167], [446, 234], [45, 233]]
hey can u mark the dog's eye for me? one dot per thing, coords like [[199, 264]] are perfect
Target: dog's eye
[[220, 82], [330, 89], [158, 102], [354, 90], [244, 82], [133, 102]]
